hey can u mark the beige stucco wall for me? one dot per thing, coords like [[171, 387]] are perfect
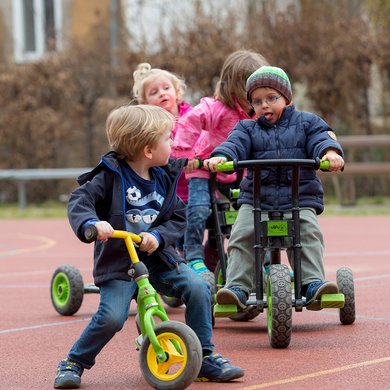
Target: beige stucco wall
[[6, 44], [78, 17], [85, 14]]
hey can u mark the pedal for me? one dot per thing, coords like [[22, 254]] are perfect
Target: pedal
[[332, 301], [224, 310]]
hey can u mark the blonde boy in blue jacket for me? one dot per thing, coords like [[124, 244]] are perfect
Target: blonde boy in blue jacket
[[134, 189]]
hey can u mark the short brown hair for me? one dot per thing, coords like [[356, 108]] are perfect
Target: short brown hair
[[131, 128], [237, 67]]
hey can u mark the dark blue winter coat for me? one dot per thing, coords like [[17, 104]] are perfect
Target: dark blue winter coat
[[297, 135], [101, 196]]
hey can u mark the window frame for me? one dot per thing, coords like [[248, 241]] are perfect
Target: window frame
[[21, 55]]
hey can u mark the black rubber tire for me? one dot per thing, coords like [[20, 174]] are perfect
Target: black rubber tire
[[66, 290], [192, 356], [279, 311], [171, 301], [346, 286]]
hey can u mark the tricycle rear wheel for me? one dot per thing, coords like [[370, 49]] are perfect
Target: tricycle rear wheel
[[346, 286], [66, 290]]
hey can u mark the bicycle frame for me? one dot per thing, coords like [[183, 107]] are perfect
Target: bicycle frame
[[273, 227], [148, 302]]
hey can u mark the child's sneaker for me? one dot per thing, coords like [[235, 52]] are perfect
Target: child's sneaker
[[198, 266], [68, 374], [315, 290], [217, 369], [232, 296]]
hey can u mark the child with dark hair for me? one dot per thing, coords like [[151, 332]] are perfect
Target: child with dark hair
[[281, 131]]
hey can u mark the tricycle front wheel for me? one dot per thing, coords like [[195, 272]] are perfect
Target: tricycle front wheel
[[184, 357], [279, 302]]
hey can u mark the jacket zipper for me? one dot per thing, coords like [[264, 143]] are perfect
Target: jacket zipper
[[277, 139]]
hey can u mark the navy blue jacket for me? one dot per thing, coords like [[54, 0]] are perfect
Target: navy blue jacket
[[102, 196], [297, 135]]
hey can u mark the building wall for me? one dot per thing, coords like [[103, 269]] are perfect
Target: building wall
[[5, 31], [85, 14], [77, 19]]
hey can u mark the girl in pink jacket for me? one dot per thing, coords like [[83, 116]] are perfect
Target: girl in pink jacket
[[202, 129], [165, 89]]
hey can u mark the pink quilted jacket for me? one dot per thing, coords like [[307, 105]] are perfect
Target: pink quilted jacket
[[202, 129], [182, 184]]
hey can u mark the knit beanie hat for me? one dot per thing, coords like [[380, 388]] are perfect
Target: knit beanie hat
[[271, 77]]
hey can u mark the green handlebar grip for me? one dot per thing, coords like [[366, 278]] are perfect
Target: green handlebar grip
[[199, 163], [235, 193], [325, 165], [226, 167]]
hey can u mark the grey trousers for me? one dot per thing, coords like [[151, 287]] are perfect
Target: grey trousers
[[241, 256]]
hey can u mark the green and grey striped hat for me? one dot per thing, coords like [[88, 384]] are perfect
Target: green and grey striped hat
[[271, 77]]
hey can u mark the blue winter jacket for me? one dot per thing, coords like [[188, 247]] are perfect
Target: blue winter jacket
[[101, 196], [297, 135]]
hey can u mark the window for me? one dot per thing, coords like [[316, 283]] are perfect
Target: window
[[36, 28]]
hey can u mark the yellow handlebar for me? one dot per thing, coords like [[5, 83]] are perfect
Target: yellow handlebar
[[129, 238], [124, 234]]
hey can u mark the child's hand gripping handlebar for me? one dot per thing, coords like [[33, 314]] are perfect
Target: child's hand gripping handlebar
[[91, 234]]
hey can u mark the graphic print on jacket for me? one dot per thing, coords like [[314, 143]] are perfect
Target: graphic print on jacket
[[144, 199]]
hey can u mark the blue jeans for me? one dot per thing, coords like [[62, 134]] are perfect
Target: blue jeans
[[198, 210], [115, 297]]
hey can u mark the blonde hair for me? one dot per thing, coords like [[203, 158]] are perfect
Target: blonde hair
[[238, 66], [131, 128], [145, 74]]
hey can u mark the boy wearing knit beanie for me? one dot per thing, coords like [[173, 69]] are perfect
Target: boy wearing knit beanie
[[280, 131]]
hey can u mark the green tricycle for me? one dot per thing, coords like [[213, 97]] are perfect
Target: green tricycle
[[277, 287], [170, 351]]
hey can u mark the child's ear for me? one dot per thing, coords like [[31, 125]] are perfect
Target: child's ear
[[148, 152]]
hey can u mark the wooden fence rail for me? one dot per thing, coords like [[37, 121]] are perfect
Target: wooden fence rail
[[23, 176], [349, 143]]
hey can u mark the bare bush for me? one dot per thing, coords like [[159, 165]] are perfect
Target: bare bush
[[53, 112]]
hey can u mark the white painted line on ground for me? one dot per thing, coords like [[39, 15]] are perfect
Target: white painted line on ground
[[23, 286], [43, 325], [317, 374], [357, 254], [371, 277]]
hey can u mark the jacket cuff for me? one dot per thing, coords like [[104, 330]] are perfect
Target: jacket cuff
[[156, 234]]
